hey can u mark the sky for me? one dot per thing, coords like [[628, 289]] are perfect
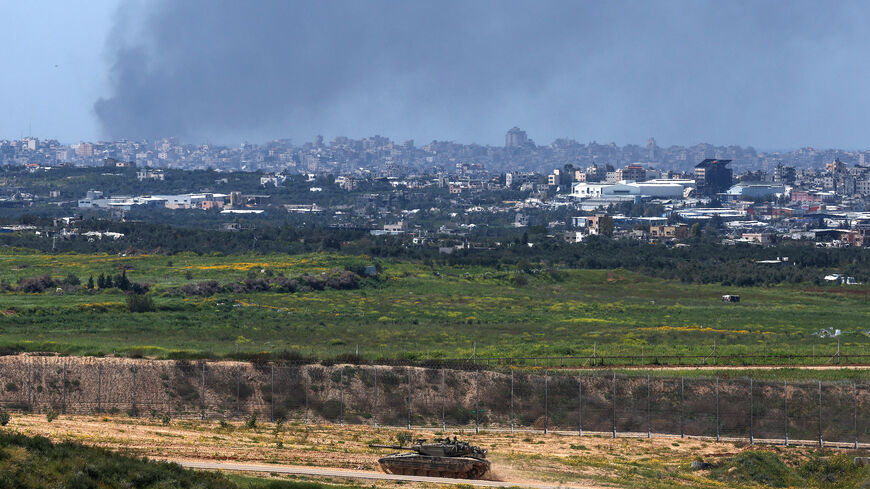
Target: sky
[[770, 74]]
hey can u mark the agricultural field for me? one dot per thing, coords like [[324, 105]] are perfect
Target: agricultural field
[[221, 306]]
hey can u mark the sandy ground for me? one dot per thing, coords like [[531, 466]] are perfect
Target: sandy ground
[[517, 458]]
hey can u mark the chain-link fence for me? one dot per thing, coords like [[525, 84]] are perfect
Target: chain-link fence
[[830, 413]]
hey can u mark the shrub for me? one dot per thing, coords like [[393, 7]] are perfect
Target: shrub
[[40, 463], [251, 422], [4, 418], [520, 280], [40, 283], [140, 303], [404, 437], [50, 415], [827, 470], [256, 284], [756, 467], [207, 288], [72, 280], [341, 279], [285, 284]]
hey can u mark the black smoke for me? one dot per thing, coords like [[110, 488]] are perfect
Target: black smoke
[[768, 73]]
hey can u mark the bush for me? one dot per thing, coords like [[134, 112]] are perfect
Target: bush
[[207, 288], [140, 303], [341, 279], [40, 463], [50, 415], [520, 280], [4, 418], [251, 422], [756, 467], [36, 284], [827, 470], [72, 280]]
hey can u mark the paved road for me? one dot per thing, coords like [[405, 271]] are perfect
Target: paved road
[[360, 474]]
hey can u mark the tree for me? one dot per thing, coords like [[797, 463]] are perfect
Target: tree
[[122, 282], [72, 279], [90, 284], [605, 226], [140, 303]]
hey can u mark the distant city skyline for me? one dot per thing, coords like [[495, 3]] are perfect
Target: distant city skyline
[[769, 75]]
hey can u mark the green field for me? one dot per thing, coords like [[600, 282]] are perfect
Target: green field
[[416, 311]]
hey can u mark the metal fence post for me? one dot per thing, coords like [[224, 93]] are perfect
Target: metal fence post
[[375, 404], [99, 386], [717, 409], [477, 401], [648, 402], [682, 407], [512, 401], [613, 402], [63, 405], [202, 395], [579, 403], [785, 408], [751, 405], [30, 387], [341, 397], [409, 398], [239, 392], [855, 412], [307, 412], [443, 401], [272, 393], [133, 394], [821, 441], [169, 390]]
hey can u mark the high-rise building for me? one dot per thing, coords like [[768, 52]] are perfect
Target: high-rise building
[[784, 174], [516, 138], [635, 173], [713, 177], [651, 149]]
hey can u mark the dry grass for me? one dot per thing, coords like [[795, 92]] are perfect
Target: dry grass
[[518, 457]]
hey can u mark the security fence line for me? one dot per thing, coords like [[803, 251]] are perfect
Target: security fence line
[[565, 401]]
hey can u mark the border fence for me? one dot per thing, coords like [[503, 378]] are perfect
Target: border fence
[[835, 414]]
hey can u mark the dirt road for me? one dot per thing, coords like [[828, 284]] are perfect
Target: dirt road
[[361, 474]]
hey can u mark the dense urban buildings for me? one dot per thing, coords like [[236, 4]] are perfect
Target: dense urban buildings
[[444, 193]]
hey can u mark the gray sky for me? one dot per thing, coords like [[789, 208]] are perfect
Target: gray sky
[[772, 74]]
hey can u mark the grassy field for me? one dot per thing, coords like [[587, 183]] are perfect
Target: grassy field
[[416, 311]]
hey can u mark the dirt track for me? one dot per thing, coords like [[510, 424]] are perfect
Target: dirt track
[[529, 459], [368, 475]]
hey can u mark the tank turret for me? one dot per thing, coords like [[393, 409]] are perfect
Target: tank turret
[[441, 458]]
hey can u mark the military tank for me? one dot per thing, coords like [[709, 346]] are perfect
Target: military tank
[[441, 458]]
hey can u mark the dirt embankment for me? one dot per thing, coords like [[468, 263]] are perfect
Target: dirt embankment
[[426, 397]]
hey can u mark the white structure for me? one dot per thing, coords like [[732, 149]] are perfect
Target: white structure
[[660, 189], [584, 190], [755, 190], [149, 174], [273, 180]]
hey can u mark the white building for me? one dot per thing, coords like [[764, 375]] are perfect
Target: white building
[[667, 189], [585, 190], [149, 174]]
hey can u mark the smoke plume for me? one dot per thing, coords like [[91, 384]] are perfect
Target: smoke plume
[[765, 73]]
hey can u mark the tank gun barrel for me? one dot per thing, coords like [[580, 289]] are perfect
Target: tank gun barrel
[[394, 447]]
